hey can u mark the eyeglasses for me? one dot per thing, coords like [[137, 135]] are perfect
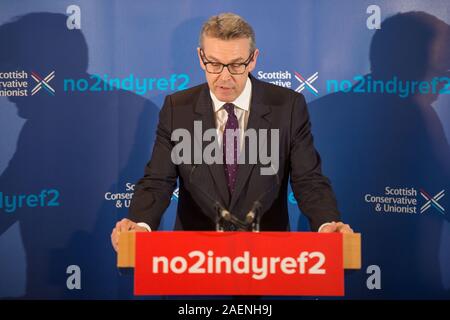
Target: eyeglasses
[[233, 68]]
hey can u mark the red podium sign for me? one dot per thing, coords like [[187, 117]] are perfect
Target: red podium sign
[[239, 263]]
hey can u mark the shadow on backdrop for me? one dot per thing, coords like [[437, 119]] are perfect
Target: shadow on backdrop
[[375, 140], [82, 145]]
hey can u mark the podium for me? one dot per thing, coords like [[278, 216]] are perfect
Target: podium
[[239, 263]]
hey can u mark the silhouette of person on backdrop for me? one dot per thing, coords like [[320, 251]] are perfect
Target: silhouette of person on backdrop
[[77, 145], [378, 140]]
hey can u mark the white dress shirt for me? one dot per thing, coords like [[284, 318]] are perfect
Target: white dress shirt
[[241, 110]]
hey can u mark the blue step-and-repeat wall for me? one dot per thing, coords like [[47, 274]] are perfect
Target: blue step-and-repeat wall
[[82, 82]]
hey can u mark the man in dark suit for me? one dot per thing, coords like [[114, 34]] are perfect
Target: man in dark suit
[[233, 101]]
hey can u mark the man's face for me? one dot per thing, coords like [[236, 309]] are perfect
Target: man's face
[[226, 86]]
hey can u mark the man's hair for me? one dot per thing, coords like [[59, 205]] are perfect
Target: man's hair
[[228, 26]]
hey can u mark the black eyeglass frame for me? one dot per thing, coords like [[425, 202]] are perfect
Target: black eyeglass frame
[[246, 63]]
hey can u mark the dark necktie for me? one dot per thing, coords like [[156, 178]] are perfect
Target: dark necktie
[[230, 147]]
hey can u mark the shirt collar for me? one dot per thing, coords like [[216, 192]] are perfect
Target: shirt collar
[[242, 102]]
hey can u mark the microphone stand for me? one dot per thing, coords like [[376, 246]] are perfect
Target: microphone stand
[[221, 213], [253, 217]]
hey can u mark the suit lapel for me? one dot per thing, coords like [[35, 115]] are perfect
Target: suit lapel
[[204, 112]]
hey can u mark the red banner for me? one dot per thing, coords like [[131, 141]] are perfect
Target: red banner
[[239, 263]]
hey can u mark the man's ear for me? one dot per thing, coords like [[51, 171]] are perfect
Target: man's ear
[[252, 64], [200, 59]]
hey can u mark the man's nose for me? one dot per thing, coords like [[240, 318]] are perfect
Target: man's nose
[[225, 74]]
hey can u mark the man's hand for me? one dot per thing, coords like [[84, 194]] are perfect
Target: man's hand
[[337, 227], [123, 225]]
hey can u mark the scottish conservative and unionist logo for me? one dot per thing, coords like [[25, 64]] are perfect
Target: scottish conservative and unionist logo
[[43, 83], [15, 83], [122, 199], [432, 201], [296, 81], [407, 200]]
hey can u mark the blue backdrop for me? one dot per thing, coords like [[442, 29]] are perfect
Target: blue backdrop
[[81, 84]]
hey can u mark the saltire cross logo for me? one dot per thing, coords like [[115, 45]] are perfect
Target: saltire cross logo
[[175, 194], [42, 83], [432, 201], [307, 83]]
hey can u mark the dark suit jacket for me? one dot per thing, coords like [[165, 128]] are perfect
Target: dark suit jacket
[[272, 107]]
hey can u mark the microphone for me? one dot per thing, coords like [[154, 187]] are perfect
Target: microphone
[[242, 226], [222, 214], [253, 217]]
